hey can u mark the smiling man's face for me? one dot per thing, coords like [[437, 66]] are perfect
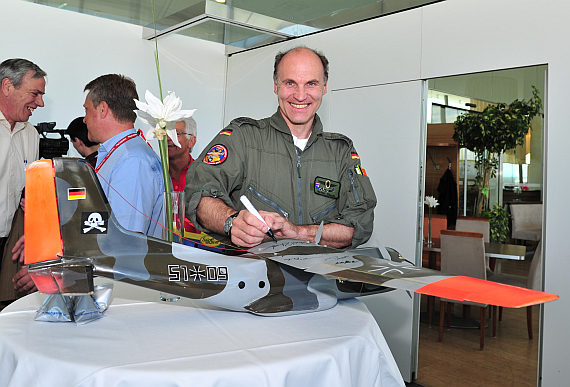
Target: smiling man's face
[[22, 101], [300, 88], [186, 144]]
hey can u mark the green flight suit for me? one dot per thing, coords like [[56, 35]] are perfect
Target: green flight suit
[[257, 158]]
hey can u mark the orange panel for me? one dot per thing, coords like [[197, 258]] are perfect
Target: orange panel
[[41, 220], [486, 292]]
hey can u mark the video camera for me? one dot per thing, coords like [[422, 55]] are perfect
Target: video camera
[[52, 147]]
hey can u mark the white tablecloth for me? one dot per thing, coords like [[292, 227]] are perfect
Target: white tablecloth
[[146, 342]]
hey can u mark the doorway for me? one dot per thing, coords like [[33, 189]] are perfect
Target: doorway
[[519, 179]]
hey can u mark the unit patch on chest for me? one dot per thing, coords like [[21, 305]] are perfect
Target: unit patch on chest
[[327, 187]]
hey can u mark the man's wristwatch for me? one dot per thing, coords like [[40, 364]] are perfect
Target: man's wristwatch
[[229, 223]]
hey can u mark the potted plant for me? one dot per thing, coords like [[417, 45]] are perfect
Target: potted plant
[[497, 129], [498, 223]]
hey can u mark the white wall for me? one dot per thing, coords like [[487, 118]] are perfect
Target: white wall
[[449, 38], [75, 48]]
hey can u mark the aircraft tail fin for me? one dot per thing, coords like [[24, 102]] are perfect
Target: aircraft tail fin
[[41, 225], [55, 191]]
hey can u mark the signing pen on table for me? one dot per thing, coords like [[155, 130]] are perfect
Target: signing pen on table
[[253, 211]]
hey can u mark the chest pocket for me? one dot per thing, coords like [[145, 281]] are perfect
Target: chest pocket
[[322, 213], [268, 202]]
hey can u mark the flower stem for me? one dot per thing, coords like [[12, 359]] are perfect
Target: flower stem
[[163, 147], [156, 52]]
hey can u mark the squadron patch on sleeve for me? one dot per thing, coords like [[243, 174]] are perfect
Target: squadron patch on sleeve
[[216, 155]]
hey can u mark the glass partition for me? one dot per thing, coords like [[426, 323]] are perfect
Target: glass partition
[[519, 176]]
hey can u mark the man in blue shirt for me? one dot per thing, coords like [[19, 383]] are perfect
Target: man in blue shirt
[[129, 171]]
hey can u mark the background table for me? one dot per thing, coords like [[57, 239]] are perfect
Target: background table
[[146, 342], [492, 250]]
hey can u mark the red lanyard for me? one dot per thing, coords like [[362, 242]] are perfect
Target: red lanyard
[[118, 144]]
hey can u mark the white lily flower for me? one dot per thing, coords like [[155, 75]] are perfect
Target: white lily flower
[[431, 201], [162, 117]]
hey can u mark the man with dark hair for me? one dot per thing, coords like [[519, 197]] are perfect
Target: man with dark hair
[[295, 173], [130, 172], [22, 89], [77, 132]]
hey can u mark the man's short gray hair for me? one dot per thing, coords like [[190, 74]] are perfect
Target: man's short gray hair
[[16, 69], [190, 127]]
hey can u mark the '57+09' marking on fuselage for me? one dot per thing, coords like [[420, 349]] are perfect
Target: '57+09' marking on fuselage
[[178, 273]]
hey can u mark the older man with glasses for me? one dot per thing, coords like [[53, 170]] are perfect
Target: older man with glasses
[[179, 159]]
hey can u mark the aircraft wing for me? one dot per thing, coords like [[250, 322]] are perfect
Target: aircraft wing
[[352, 266]]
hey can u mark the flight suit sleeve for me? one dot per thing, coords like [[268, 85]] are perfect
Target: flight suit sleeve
[[358, 199], [216, 172]]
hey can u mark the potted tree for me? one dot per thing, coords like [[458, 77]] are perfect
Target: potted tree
[[496, 129]]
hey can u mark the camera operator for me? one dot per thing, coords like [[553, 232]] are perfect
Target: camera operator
[[22, 89], [77, 132]]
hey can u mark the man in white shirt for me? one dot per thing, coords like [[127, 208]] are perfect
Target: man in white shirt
[[22, 89]]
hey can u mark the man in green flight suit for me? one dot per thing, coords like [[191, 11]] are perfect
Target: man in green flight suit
[[292, 171]]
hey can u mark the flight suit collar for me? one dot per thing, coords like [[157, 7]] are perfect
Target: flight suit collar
[[278, 122]]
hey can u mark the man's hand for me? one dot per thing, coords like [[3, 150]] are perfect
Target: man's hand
[[247, 230], [18, 250], [334, 235], [23, 282]]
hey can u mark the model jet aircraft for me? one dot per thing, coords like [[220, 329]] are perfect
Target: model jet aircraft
[[72, 236]]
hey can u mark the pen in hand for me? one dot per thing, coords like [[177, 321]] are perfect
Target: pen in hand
[[254, 212]]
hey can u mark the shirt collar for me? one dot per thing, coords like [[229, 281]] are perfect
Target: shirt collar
[[4, 122], [110, 143]]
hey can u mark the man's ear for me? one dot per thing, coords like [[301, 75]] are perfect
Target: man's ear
[[103, 109], [7, 85], [192, 142]]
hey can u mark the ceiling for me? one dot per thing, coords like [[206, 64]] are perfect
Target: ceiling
[[238, 24]]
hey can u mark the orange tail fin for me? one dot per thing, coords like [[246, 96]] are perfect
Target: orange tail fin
[[41, 219]]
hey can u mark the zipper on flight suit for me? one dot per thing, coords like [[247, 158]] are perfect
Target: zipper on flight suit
[[320, 215], [300, 205], [269, 202], [351, 177]]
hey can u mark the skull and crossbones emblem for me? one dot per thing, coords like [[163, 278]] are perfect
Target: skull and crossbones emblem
[[95, 220]]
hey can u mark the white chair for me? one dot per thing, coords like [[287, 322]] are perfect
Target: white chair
[[463, 253], [532, 281]]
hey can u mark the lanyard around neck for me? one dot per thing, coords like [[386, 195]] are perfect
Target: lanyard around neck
[[118, 144]]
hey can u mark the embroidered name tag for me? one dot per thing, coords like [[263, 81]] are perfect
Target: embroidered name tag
[[327, 187]]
